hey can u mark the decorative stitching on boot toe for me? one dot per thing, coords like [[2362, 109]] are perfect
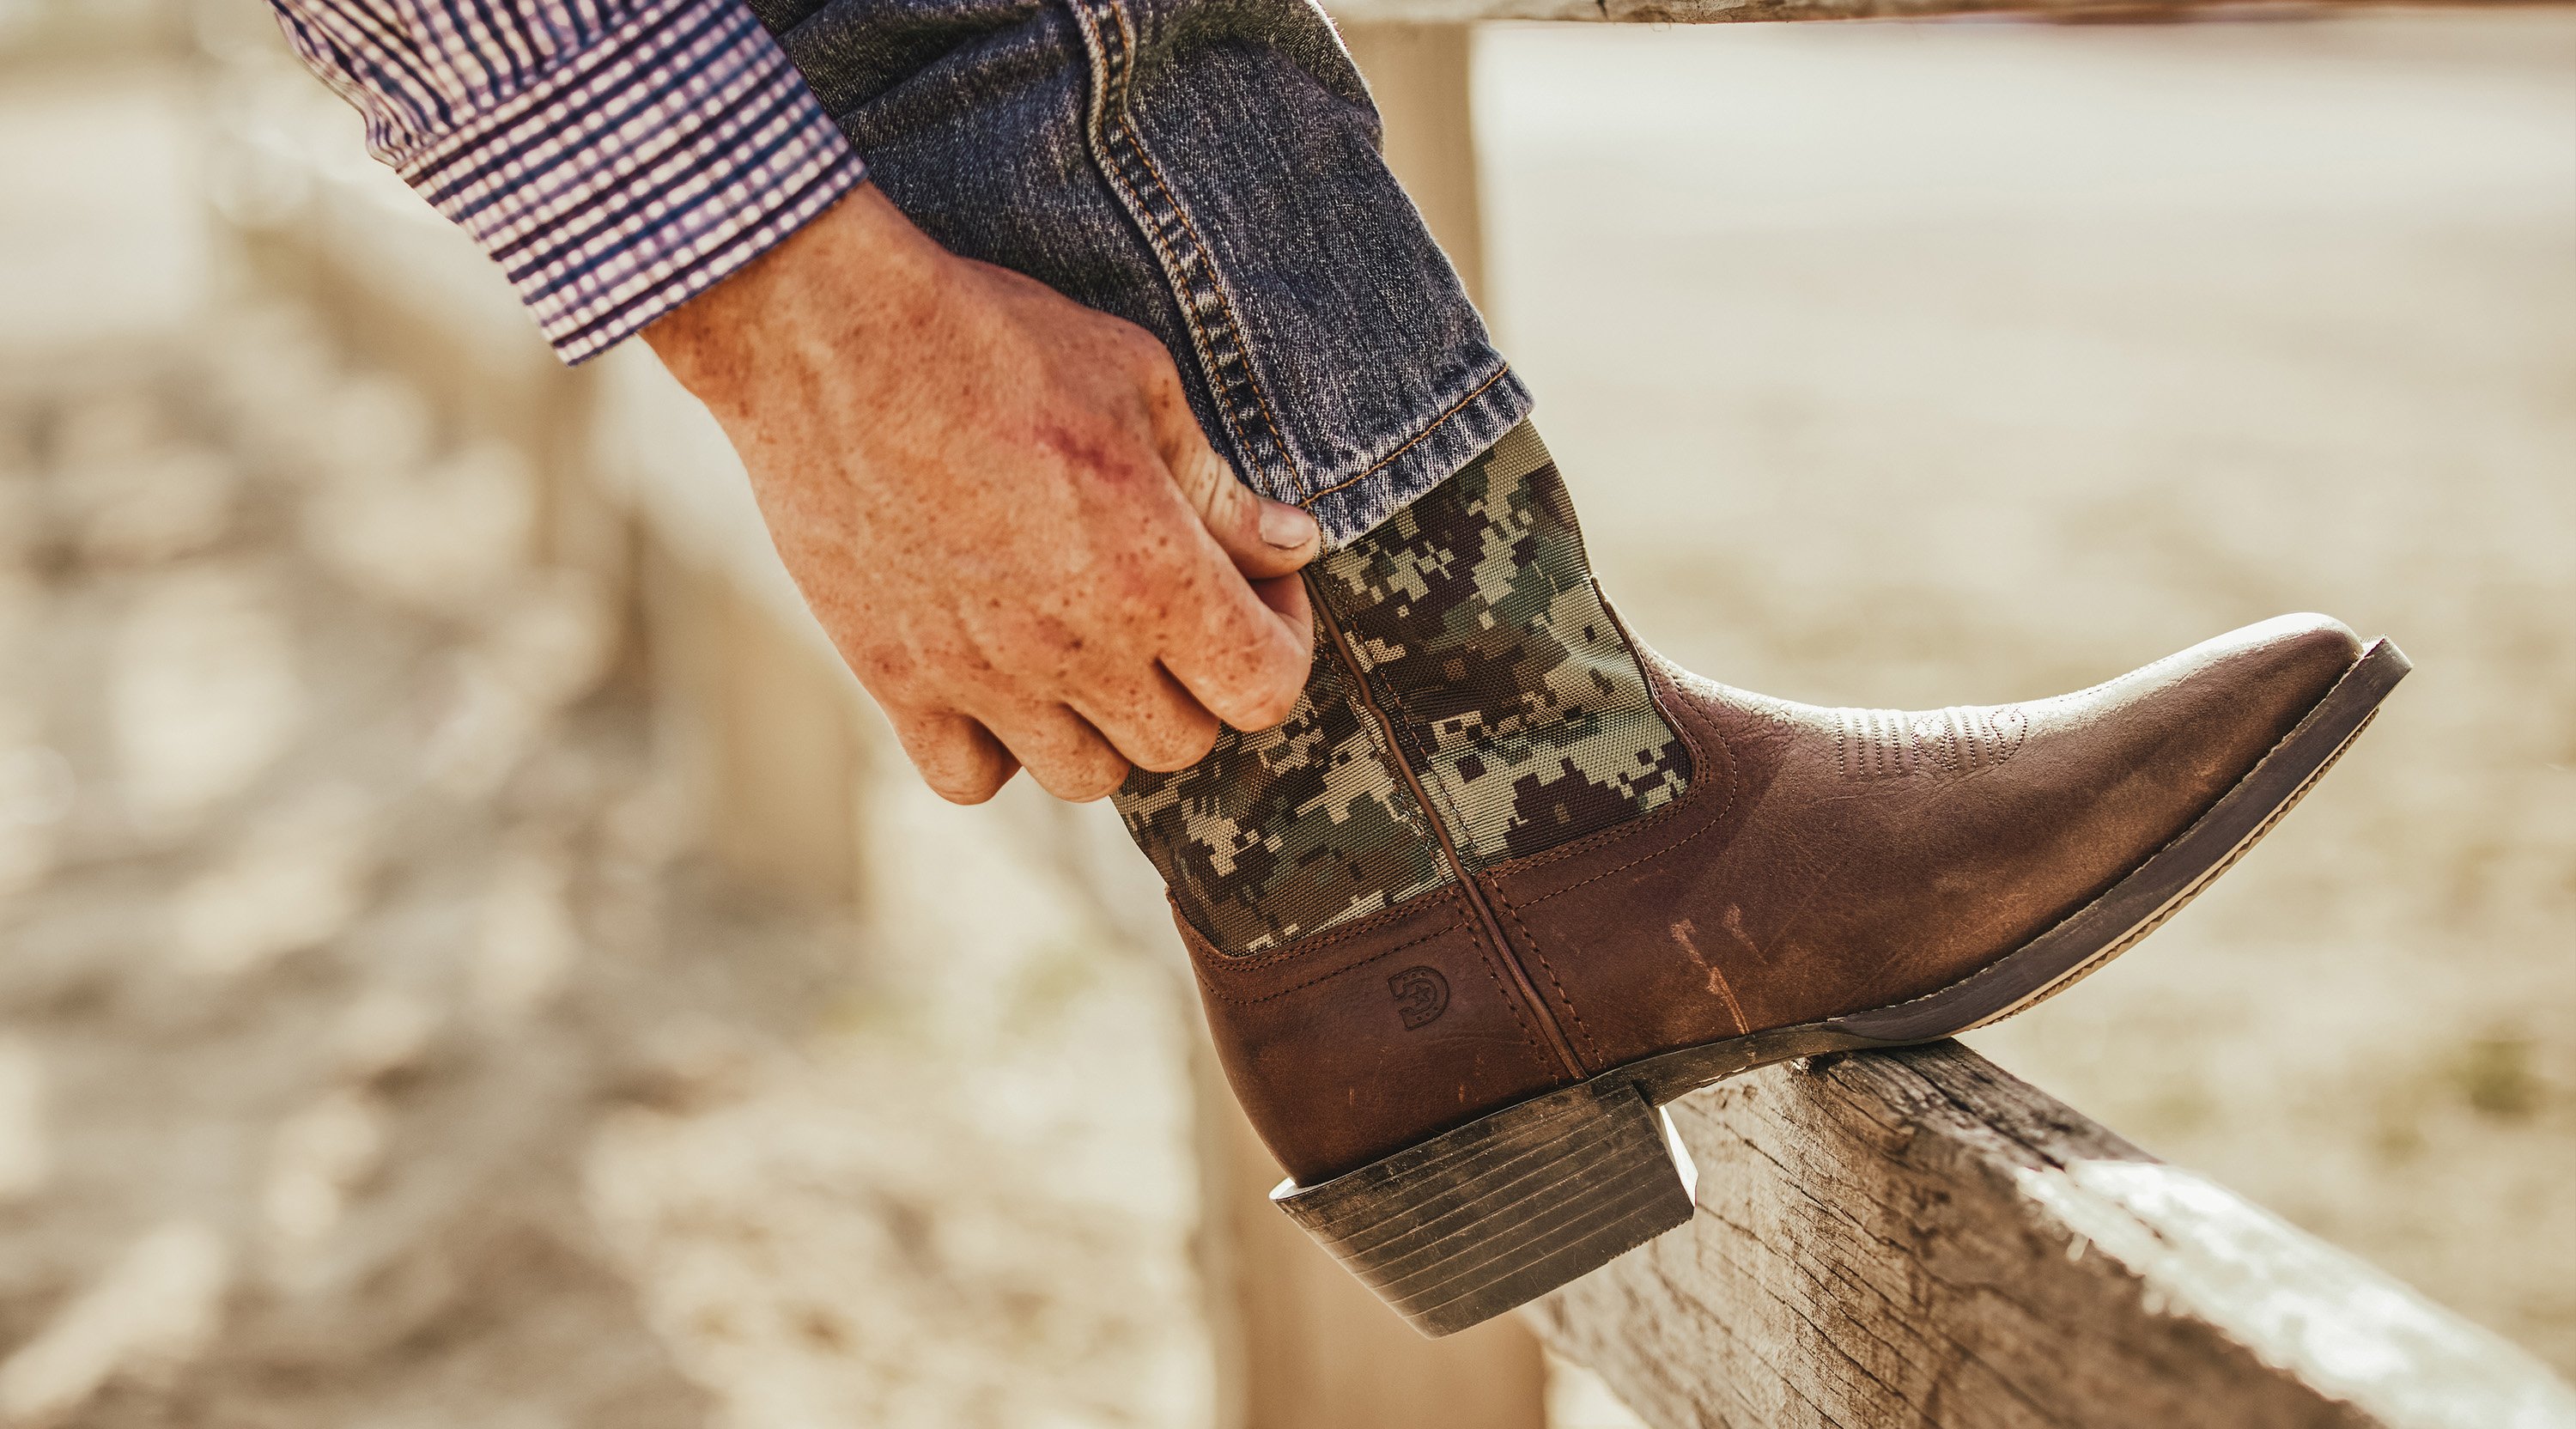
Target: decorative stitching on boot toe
[[1891, 744]]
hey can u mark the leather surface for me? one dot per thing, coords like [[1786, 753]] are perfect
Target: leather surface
[[1344, 1046], [1822, 861]]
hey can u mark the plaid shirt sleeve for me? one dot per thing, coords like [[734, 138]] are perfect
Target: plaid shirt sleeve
[[615, 157]]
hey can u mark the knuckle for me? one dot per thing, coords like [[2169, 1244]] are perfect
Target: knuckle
[[1207, 506], [1173, 750], [1258, 680], [949, 761], [955, 774], [1225, 495], [1146, 352], [1198, 745], [1246, 654], [968, 792], [1083, 780], [1268, 705]]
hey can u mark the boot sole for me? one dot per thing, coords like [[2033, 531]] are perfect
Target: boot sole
[[1461, 1227]]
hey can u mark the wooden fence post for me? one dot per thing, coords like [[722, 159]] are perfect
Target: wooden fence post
[[1310, 1348], [1422, 78]]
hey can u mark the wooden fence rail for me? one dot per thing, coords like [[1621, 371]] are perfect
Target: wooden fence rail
[[1919, 1238], [1441, 13]]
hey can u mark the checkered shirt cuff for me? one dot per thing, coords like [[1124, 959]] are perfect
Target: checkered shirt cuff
[[639, 170]]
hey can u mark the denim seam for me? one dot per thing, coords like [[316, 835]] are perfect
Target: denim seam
[[1216, 281], [1419, 437], [1095, 49], [1188, 265]]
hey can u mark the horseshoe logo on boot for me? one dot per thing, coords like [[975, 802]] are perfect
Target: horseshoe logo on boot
[[1421, 995]]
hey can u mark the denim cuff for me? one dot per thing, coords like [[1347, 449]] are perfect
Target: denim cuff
[[1464, 431], [1209, 170]]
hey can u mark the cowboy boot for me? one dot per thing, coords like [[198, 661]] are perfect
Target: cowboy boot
[[1506, 881]]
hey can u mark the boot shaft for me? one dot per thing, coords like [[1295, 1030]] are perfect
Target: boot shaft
[[1472, 701]]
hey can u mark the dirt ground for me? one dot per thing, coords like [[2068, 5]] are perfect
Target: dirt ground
[[373, 1053]]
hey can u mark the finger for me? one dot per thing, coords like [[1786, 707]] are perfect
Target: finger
[[1241, 658], [1287, 598], [1153, 721], [1061, 750], [1264, 538], [958, 758]]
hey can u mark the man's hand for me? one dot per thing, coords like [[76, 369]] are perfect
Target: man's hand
[[998, 504]]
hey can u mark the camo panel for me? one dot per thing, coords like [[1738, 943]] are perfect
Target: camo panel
[[1512, 691], [1286, 832]]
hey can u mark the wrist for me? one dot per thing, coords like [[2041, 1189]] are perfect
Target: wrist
[[835, 289]]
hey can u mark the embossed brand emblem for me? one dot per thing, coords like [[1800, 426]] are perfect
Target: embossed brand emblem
[[1421, 995]]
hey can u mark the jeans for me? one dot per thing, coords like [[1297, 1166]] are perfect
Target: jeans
[[1209, 170]]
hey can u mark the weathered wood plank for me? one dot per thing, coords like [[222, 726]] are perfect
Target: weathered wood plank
[[1917, 1238], [1704, 12]]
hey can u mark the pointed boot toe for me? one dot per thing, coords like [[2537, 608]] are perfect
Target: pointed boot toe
[[1831, 880]]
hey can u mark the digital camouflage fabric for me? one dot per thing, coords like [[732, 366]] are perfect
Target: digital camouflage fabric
[[1289, 831], [1483, 638], [1513, 697]]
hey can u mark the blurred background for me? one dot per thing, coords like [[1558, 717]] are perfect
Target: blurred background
[[467, 955]]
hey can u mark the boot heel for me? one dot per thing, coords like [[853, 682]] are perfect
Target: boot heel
[[1459, 1228]]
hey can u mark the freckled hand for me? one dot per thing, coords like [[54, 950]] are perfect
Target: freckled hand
[[998, 505]]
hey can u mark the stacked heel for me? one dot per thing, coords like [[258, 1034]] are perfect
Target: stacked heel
[[1475, 1221]]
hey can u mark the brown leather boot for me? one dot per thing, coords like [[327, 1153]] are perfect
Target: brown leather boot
[[1506, 881]]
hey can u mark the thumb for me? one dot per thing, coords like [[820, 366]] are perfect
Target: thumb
[[1265, 538]]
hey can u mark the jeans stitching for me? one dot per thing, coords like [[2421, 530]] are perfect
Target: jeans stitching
[[1224, 356], [1241, 347], [1095, 46], [1419, 437]]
